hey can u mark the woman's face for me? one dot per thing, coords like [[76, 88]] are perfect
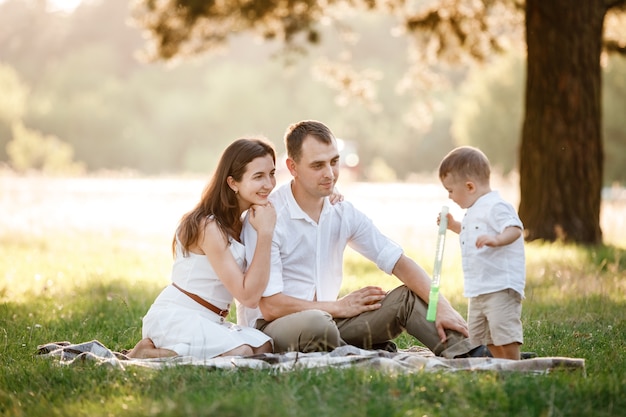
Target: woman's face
[[256, 183]]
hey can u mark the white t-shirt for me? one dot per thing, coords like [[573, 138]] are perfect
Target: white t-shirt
[[307, 257], [487, 269]]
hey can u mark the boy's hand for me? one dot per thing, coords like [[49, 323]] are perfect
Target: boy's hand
[[486, 240], [509, 235], [452, 224]]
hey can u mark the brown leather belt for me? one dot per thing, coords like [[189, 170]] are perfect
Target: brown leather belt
[[203, 302]]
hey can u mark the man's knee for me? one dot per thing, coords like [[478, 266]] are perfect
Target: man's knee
[[318, 332], [401, 294], [317, 322], [305, 331]]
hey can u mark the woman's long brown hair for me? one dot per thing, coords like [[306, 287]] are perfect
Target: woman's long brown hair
[[218, 199]]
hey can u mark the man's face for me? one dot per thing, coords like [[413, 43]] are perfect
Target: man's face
[[318, 168]]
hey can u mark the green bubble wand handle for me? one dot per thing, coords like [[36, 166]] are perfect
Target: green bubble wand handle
[[434, 285]]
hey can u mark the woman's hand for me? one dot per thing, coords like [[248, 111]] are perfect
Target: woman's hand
[[263, 218], [335, 197]]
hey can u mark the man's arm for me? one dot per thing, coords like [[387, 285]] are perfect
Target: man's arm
[[353, 304], [414, 277]]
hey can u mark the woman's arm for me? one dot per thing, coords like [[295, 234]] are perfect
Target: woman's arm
[[246, 287]]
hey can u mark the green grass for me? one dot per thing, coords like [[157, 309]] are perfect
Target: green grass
[[79, 287]]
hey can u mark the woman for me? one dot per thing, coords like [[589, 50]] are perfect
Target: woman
[[188, 317]]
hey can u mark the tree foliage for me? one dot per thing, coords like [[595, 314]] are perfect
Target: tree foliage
[[14, 95], [614, 126], [13, 102], [562, 122], [394, 70], [489, 113], [30, 150]]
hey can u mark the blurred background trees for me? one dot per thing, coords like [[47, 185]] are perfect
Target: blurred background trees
[[77, 78]]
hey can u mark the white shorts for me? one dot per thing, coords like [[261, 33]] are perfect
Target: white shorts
[[495, 318]]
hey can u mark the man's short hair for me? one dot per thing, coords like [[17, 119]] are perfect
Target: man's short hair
[[466, 162], [297, 132]]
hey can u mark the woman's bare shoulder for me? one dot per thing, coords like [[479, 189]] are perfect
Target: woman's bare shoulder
[[212, 236]]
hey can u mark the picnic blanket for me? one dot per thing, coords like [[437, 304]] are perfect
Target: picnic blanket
[[415, 359]]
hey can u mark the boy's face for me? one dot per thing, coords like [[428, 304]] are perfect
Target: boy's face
[[461, 192]]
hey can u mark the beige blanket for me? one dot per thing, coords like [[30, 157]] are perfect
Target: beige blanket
[[416, 359]]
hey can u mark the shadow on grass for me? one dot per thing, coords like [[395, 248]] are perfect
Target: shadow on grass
[[110, 312]]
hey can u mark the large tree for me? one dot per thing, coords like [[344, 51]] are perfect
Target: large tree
[[561, 156]]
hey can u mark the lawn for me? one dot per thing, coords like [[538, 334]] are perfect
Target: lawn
[[78, 275]]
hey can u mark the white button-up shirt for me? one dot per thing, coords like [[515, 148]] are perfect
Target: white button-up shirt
[[487, 269], [307, 257]]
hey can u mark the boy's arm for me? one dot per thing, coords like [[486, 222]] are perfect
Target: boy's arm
[[508, 236]]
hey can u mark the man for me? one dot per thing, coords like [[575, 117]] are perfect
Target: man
[[300, 309]]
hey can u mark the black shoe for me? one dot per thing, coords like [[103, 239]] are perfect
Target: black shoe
[[483, 352], [387, 346], [478, 352]]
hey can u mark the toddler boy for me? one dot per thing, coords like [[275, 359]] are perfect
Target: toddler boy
[[492, 252]]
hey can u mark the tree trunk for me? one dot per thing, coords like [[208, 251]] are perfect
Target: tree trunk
[[561, 157]]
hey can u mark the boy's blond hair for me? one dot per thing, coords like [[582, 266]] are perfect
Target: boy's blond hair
[[466, 163]]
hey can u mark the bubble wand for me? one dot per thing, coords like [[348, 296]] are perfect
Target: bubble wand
[[433, 297]]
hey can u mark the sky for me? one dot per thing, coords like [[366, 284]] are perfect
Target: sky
[[63, 5], [60, 5]]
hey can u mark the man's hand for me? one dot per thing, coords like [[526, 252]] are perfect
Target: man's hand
[[449, 319], [359, 301]]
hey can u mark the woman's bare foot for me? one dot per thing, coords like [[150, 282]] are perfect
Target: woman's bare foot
[[265, 348], [243, 350], [145, 349], [247, 350]]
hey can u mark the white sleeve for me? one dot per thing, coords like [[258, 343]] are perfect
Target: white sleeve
[[370, 242]]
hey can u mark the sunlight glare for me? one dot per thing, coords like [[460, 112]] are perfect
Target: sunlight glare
[[66, 6]]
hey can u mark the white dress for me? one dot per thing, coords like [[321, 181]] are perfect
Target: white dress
[[176, 322]]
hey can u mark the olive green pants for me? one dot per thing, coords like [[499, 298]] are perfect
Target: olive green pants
[[401, 310]]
